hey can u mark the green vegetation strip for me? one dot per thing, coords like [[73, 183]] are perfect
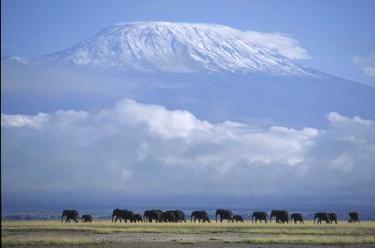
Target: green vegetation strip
[[308, 233]]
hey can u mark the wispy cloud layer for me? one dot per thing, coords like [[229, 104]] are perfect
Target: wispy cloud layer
[[280, 43], [141, 148], [367, 64]]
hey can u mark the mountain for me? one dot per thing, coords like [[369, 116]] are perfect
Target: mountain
[[177, 47], [215, 72]]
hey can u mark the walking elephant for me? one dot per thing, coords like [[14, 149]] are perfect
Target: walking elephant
[[296, 217], [179, 216], [136, 218], [238, 218], [321, 216], [200, 216], [281, 216], [122, 214], [70, 215], [168, 216], [224, 214], [332, 217], [259, 216], [150, 215], [353, 217]]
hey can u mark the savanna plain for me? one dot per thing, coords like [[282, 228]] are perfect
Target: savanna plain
[[103, 233]]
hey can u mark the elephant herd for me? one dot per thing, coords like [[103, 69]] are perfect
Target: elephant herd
[[74, 216], [178, 216]]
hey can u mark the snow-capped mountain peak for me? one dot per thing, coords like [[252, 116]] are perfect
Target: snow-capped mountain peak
[[177, 47]]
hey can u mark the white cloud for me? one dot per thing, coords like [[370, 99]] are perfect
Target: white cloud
[[166, 124], [281, 43], [24, 120], [367, 64], [140, 148]]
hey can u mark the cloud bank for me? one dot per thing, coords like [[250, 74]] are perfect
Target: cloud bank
[[141, 149]]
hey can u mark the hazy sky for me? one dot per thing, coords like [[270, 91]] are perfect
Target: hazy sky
[[121, 145], [339, 35]]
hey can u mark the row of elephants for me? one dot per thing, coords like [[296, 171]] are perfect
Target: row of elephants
[[280, 216]]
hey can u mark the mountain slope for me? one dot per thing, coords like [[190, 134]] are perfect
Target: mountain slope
[[231, 77], [177, 47]]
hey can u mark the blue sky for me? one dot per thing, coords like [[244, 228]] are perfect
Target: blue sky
[[338, 35]]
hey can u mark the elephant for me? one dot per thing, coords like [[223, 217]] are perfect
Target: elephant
[[321, 216], [150, 215], [136, 218], [119, 214], [353, 217], [86, 218], [259, 216], [296, 217], [224, 214], [179, 216], [238, 218], [200, 215], [70, 215], [281, 216], [332, 217], [168, 216]]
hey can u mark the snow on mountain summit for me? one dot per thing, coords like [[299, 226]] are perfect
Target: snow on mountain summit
[[177, 47]]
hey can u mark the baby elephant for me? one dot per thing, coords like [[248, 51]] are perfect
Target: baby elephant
[[238, 218], [86, 218]]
